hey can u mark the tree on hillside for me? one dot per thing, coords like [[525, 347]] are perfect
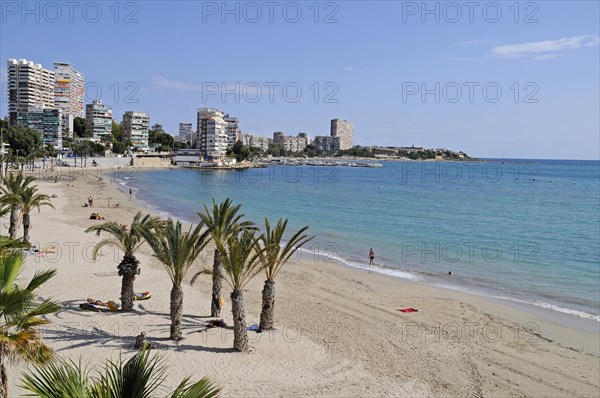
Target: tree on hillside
[[240, 151], [118, 147], [117, 132], [156, 135], [23, 139], [79, 128]]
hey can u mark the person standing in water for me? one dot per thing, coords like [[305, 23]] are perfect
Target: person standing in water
[[371, 259]]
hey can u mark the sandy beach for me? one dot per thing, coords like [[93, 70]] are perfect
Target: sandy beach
[[339, 330]]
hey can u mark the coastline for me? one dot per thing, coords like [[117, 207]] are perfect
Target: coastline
[[340, 333]]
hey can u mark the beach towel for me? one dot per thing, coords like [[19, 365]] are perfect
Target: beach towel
[[142, 296], [253, 328], [408, 310]]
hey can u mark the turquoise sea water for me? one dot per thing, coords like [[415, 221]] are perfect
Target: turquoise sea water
[[525, 230]]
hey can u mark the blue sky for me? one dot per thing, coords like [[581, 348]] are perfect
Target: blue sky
[[512, 79]]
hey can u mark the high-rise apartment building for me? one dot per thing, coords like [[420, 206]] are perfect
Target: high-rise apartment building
[[233, 129], [136, 126], [288, 143], [29, 86], [68, 93], [98, 119], [327, 143], [278, 137], [46, 121], [211, 134], [185, 132], [345, 130]]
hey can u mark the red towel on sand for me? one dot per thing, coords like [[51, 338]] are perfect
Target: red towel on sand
[[408, 310]]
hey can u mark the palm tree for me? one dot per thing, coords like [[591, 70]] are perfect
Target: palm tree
[[273, 259], [177, 251], [128, 239], [221, 222], [4, 208], [29, 199], [20, 315], [13, 185], [139, 377], [241, 262]]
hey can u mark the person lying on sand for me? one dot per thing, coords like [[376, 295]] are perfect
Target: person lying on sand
[[90, 307], [97, 302], [216, 323]]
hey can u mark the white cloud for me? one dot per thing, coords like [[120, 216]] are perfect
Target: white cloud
[[543, 50], [161, 82], [250, 89], [547, 57], [347, 68], [474, 43]]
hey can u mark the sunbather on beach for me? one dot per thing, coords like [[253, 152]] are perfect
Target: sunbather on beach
[[97, 302], [90, 307]]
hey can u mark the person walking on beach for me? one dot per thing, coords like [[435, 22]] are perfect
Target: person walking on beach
[[371, 260]]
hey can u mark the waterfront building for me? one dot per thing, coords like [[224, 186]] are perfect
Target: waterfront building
[[68, 93], [327, 143], [46, 121], [136, 126], [186, 131], [98, 119], [345, 130], [211, 134], [233, 129], [29, 86], [278, 137]]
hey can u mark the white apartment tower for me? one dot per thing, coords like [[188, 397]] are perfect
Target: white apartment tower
[[345, 130], [186, 131], [68, 93], [136, 126], [29, 86], [98, 119], [233, 130], [211, 134]]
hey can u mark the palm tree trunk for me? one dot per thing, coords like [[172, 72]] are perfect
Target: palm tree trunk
[[240, 335], [127, 292], [215, 305], [268, 306], [26, 226], [14, 219], [3, 378], [176, 310]]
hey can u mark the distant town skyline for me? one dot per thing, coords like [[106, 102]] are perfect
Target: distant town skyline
[[519, 84]]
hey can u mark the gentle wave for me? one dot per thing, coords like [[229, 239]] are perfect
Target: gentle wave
[[411, 276], [536, 303]]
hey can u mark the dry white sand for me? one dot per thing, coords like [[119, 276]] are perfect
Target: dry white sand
[[339, 332]]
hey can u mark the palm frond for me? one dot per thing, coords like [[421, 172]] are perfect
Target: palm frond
[[204, 388], [222, 219], [241, 258], [275, 256], [175, 249], [139, 377], [58, 379]]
